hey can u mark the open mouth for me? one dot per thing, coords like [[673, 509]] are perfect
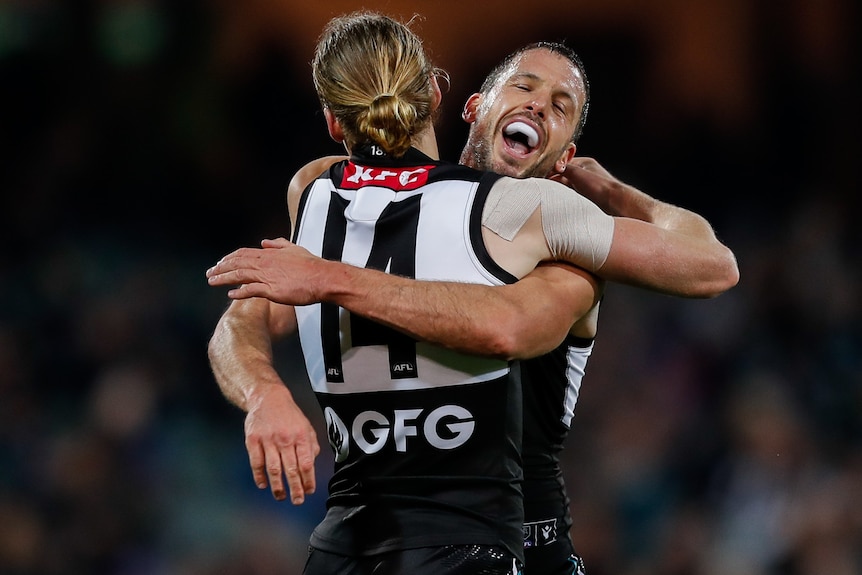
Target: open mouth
[[521, 137]]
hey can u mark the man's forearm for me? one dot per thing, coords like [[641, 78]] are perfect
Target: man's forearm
[[629, 202], [513, 321], [524, 319], [240, 353], [711, 263], [617, 198], [698, 264], [280, 440]]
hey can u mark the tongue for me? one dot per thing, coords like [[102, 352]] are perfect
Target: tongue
[[519, 147]]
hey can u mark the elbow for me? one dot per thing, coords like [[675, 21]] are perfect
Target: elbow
[[732, 274], [729, 272], [726, 276], [505, 339], [501, 344], [513, 340]]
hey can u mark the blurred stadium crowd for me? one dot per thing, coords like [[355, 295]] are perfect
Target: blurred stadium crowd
[[720, 436]]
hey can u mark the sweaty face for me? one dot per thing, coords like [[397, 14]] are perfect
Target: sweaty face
[[524, 125]]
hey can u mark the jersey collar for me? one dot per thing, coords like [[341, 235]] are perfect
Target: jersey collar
[[373, 155]]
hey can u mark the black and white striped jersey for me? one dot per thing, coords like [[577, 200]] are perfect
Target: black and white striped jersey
[[426, 440]]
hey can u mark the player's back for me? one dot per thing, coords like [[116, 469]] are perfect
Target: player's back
[[426, 440]]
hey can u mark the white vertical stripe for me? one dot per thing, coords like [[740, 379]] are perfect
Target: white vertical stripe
[[576, 362], [311, 238], [362, 213]]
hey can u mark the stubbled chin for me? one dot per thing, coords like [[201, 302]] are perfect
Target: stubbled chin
[[510, 165], [510, 170]]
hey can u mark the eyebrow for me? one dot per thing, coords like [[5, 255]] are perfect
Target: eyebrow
[[570, 96], [531, 76], [522, 75]]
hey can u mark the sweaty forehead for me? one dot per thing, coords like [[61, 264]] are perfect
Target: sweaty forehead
[[546, 66]]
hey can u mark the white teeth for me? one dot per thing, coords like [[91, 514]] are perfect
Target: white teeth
[[525, 129]]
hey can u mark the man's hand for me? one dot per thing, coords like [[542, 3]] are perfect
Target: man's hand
[[281, 443], [281, 272], [591, 180]]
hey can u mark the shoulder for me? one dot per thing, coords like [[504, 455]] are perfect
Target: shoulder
[[441, 170], [310, 171], [503, 186], [304, 176]]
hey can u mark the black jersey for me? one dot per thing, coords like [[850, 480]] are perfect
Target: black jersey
[[426, 440], [551, 384]]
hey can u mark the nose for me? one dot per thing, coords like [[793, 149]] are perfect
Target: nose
[[537, 106]]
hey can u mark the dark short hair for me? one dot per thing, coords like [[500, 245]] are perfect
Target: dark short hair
[[556, 48]]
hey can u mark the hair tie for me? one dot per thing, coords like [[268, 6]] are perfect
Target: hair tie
[[379, 97]]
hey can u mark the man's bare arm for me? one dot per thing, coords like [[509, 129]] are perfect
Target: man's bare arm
[[513, 321], [471, 318], [240, 350], [705, 267], [304, 176], [280, 440]]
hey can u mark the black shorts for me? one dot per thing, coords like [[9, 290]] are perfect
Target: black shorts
[[557, 558], [446, 560]]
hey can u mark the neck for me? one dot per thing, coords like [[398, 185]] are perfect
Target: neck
[[468, 157], [426, 142]]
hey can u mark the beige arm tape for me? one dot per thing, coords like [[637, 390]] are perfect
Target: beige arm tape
[[575, 228]]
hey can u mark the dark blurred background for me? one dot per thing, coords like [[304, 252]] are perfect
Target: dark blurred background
[[141, 140]]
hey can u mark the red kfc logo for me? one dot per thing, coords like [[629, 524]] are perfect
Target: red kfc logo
[[398, 179]]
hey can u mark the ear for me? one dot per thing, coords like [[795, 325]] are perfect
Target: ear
[[335, 131], [438, 94], [565, 158], [470, 107]]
